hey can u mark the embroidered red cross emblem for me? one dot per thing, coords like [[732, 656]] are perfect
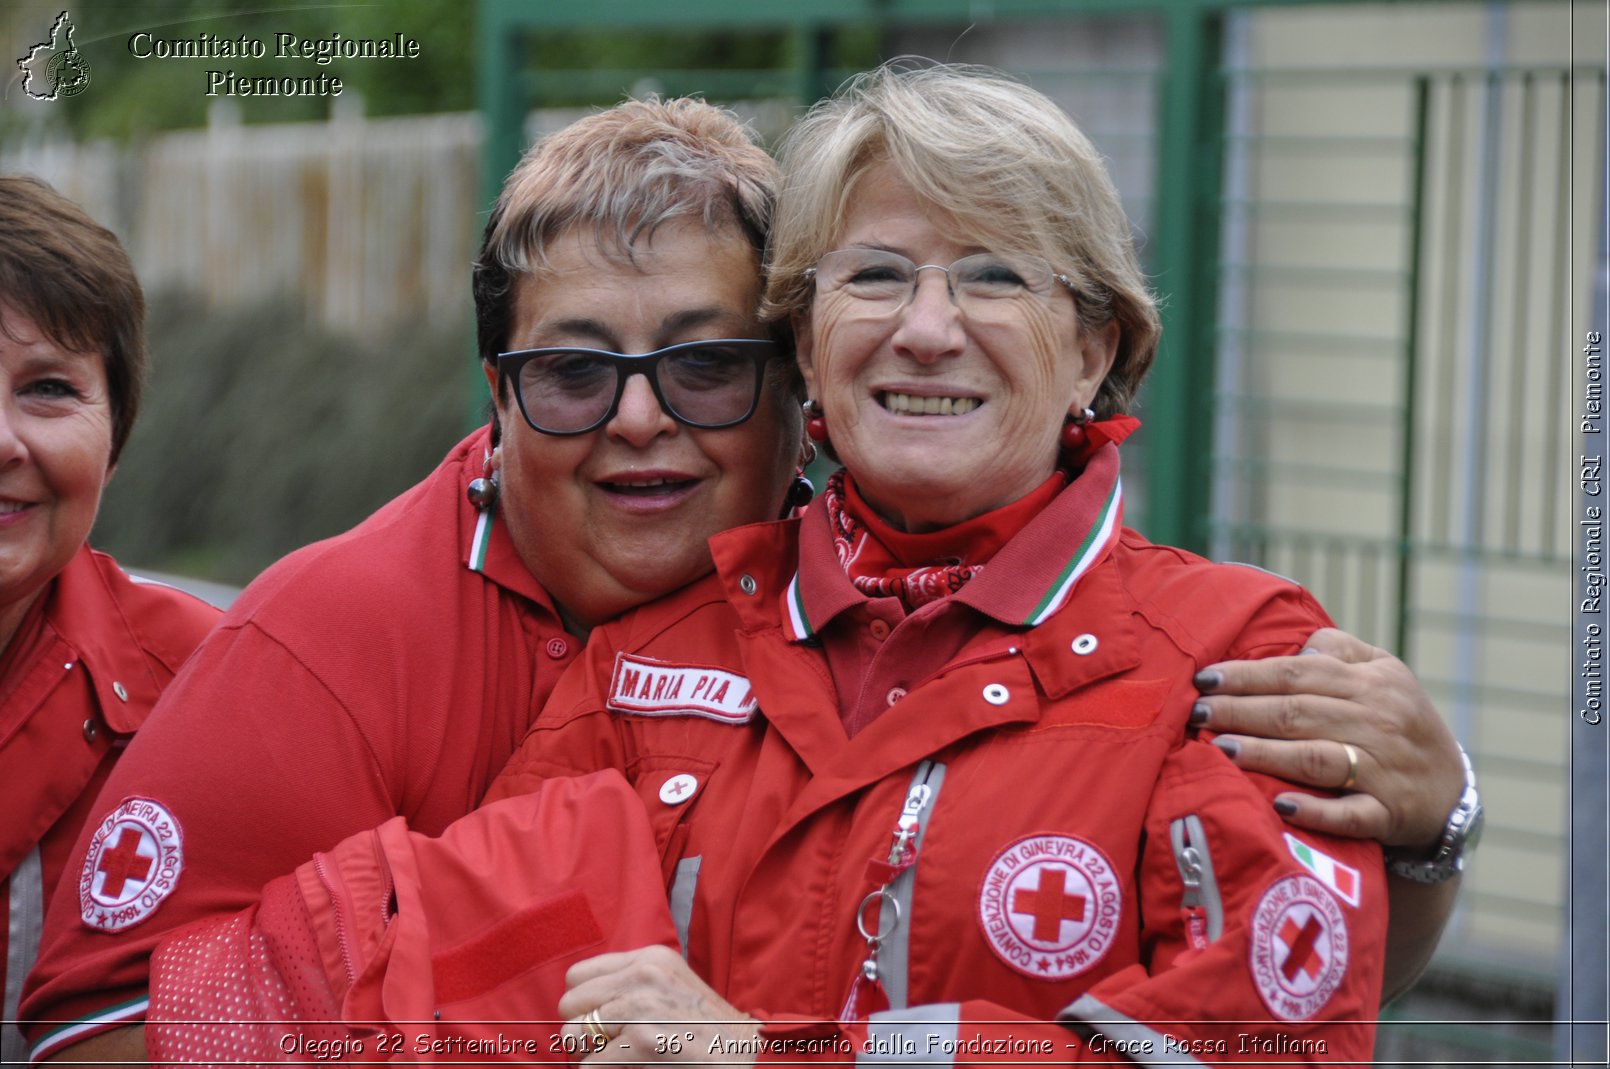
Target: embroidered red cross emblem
[[122, 863], [1049, 904], [1302, 957]]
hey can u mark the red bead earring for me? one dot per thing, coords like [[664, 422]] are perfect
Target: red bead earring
[[815, 422], [1073, 431]]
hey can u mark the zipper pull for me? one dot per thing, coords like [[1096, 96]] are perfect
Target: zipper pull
[[1196, 928], [906, 827], [1189, 861], [867, 995]]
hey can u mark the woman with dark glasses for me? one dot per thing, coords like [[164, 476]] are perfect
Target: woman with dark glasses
[[709, 384], [391, 671]]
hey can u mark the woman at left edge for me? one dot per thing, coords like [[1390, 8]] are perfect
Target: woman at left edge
[[85, 649]]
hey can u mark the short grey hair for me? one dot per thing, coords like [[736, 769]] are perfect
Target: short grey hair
[[1000, 158], [621, 173]]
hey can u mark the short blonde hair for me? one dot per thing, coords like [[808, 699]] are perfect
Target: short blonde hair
[[998, 157], [620, 173]]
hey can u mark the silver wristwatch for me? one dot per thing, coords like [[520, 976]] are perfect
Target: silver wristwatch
[[1459, 838]]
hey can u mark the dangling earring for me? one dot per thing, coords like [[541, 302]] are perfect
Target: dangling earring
[[1073, 431], [815, 422], [483, 492], [800, 493]]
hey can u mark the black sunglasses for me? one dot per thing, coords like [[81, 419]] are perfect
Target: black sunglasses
[[707, 384]]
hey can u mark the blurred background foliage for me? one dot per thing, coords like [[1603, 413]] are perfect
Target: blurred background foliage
[[260, 433], [164, 94], [169, 93]]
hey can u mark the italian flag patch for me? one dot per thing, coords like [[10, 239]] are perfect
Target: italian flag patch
[[1342, 879]]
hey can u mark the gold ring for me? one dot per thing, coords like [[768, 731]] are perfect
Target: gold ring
[[1352, 768], [595, 1026]]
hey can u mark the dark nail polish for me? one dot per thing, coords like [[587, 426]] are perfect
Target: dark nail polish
[[1199, 715], [1229, 746], [1208, 679], [1285, 808]]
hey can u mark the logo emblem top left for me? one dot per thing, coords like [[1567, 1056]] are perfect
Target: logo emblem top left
[[55, 68]]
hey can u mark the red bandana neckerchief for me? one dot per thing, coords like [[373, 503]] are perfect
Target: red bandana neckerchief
[[918, 568], [883, 562]]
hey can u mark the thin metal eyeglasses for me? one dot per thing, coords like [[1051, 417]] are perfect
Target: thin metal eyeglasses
[[709, 384], [885, 282]]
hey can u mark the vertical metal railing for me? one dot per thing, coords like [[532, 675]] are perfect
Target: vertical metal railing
[[1452, 546]]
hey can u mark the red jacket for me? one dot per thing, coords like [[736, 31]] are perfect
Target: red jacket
[[101, 652], [1074, 855], [396, 945]]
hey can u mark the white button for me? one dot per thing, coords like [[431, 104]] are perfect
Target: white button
[[894, 695], [1085, 645], [996, 694], [678, 789], [746, 583], [122, 695]]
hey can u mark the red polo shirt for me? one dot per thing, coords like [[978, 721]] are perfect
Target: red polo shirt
[[389, 671], [82, 674], [878, 652]]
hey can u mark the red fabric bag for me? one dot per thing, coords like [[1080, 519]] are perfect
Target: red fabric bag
[[398, 945]]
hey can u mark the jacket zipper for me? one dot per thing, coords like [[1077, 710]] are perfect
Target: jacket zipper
[[1200, 904], [388, 886], [337, 907], [890, 882]]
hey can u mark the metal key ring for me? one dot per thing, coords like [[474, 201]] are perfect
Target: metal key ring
[[880, 895]]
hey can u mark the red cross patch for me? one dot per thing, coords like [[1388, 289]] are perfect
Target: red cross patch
[[1049, 906], [133, 863], [1298, 949]]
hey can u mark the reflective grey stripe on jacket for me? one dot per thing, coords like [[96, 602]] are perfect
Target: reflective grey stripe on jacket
[[924, 1035], [25, 923], [895, 954], [1137, 1037], [683, 886]]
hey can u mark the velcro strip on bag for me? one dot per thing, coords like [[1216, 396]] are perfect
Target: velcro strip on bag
[[551, 929]]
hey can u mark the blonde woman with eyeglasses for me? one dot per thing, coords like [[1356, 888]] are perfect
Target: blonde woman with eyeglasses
[[921, 764]]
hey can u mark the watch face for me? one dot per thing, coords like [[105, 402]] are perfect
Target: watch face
[[1478, 819]]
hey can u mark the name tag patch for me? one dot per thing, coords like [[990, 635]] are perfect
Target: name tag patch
[[646, 687]]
